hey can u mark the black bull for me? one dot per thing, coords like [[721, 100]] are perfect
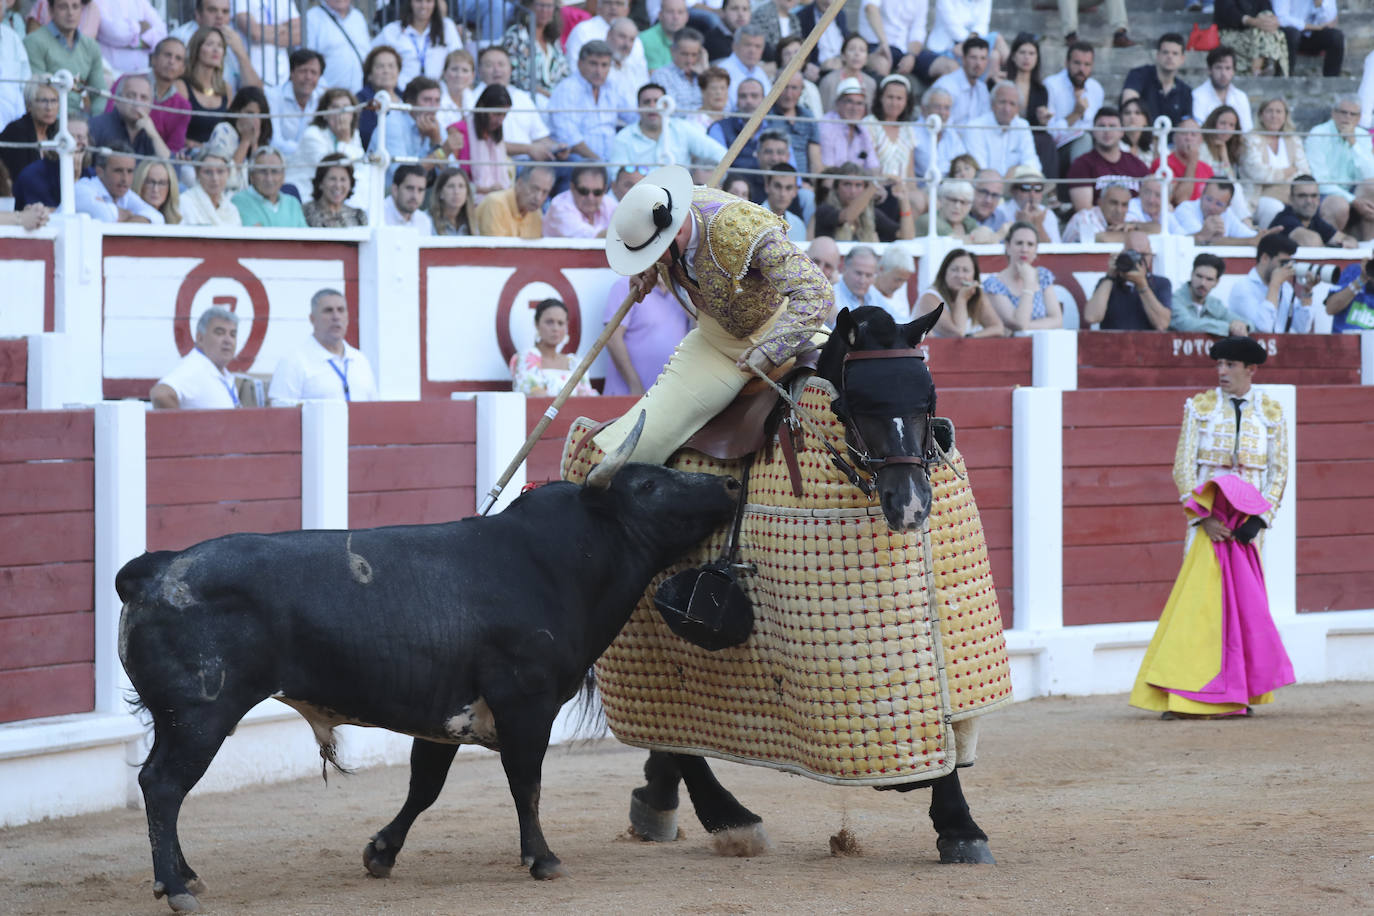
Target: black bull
[[469, 632]]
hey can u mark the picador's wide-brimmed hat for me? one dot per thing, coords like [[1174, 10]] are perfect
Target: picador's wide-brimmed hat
[[1240, 349], [645, 222]]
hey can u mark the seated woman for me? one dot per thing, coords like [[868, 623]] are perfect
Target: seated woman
[[455, 86], [333, 130], [157, 185], [1022, 294], [40, 118], [381, 73], [543, 370], [541, 41], [239, 139], [208, 204], [1252, 29], [952, 216], [1221, 150], [1272, 157], [853, 63], [451, 209], [203, 84], [331, 187], [963, 167], [715, 97], [486, 148], [968, 309], [1138, 137]]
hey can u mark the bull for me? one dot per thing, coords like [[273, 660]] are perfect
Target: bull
[[470, 632]]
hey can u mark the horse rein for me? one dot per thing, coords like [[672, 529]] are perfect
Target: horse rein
[[873, 465]]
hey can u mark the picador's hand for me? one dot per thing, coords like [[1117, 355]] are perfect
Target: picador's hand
[[759, 360]]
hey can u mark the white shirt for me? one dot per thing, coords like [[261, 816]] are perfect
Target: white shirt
[[523, 124], [1000, 148], [1249, 299], [1085, 225], [331, 36], [312, 373], [955, 20], [287, 125], [268, 59], [1367, 92], [199, 385], [14, 65], [904, 21], [419, 220], [92, 197], [1135, 213], [1188, 219], [739, 73], [1059, 88], [1303, 14], [420, 56], [593, 29], [970, 101], [949, 146], [1205, 100], [198, 210], [1009, 208]]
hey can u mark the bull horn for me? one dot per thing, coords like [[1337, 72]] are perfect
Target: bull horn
[[601, 476]]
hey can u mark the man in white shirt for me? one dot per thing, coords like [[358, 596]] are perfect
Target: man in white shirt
[[272, 26], [238, 67], [780, 187], [14, 74], [898, 28], [202, 381], [957, 21], [1025, 204], [1001, 139], [340, 34], [660, 140], [743, 63], [296, 96], [895, 269], [595, 28], [1074, 98], [628, 64], [967, 88], [1266, 297], [1218, 91], [856, 281], [402, 206], [108, 195], [524, 131], [1209, 219], [325, 367], [1104, 223], [1310, 27]]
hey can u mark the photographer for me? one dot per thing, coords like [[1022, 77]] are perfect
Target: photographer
[[1268, 296], [1351, 304], [1129, 297]]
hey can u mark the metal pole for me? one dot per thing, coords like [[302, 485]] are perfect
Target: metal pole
[[66, 145], [381, 161]]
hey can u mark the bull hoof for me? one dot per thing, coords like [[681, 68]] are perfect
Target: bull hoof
[[377, 862], [183, 903], [651, 824], [548, 869], [964, 852], [741, 842]]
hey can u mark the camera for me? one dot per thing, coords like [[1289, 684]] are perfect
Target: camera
[[1312, 274], [1128, 261]]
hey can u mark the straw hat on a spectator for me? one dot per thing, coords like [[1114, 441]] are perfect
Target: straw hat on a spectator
[[849, 85]]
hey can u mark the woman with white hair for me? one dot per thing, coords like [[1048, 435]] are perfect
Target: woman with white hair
[[207, 204], [40, 118], [952, 216]]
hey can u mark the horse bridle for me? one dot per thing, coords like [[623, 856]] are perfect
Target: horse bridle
[[860, 448]]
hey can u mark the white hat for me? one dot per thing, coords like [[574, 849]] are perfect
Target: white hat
[[646, 221], [849, 85]]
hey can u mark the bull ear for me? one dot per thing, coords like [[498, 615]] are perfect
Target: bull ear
[[601, 476], [913, 332]]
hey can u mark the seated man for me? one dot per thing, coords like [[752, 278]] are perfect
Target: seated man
[[585, 108], [1300, 221], [1267, 297], [1209, 219], [679, 77], [1341, 156], [130, 122], [1026, 206], [402, 206], [1310, 28], [774, 150], [781, 189], [1105, 163], [326, 366], [300, 95], [825, 254], [109, 196], [262, 203], [1146, 211], [1351, 303], [1105, 222], [412, 133], [725, 130], [202, 381], [517, 211], [1001, 139], [584, 210], [1196, 309], [1130, 297], [895, 269], [987, 199], [855, 287], [656, 137]]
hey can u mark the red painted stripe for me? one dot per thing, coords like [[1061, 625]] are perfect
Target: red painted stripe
[[1335, 479], [410, 507], [55, 691], [14, 360], [260, 430], [1120, 446], [1113, 564], [1345, 554], [53, 588], [44, 435], [1348, 591], [1117, 486], [1115, 603], [1126, 525]]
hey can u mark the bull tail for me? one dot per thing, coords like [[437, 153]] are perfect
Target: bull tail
[[591, 717]]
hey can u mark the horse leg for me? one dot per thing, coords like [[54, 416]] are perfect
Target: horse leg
[[734, 829], [429, 763], [653, 806], [959, 839]]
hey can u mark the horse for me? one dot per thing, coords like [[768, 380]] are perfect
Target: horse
[[882, 401]]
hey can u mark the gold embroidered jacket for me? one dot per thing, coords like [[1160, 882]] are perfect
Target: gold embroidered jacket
[[1208, 445]]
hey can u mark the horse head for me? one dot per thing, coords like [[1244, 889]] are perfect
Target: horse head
[[886, 400]]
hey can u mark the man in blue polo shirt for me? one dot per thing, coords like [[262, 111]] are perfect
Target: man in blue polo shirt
[[1351, 304], [1158, 87]]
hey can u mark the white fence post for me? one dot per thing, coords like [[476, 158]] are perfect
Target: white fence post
[[324, 464], [1054, 359], [1367, 357], [1281, 540], [500, 434], [121, 532], [389, 310], [1037, 486], [78, 261], [48, 368]]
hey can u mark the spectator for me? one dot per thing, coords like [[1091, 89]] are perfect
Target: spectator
[[207, 204], [1351, 303], [715, 97], [1025, 205], [14, 73], [543, 369], [201, 380], [842, 138], [953, 217], [334, 129], [332, 186], [596, 28], [1105, 222], [130, 123], [486, 153], [239, 138], [326, 367], [968, 309], [1221, 150], [896, 34], [680, 76], [853, 62], [1138, 137], [237, 66], [777, 20], [810, 96], [1309, 26], [273, 27], [658, 38], [1158, 87], [381, 71], [1367, 91], [515, 212], [89, 24], [825, 254], [644, 341], [295, 99], [987, 200], [727, 129], [625, 178], [537, 47], [945, 146], [780, 189], [262, 203], [628, 69], [451, 209], [156, 183], [850, 217], [1273, 158], [1130, 297], [1191, 172], [39, 123], [889, 127], [524, 129], [744, 62], [1342, 156], [1210, 220], [416, 133], [587, 134], [31, 218], [1146, 211], [855, 288], [895, 269], [1300, 221], [720, 34], [967, 86], [402, 207], [168, 63], [737, 185], [204, 85], [584, 210], [108, 197], [1251, 27], [1022, 294], [1023, 71], [957, 22], [62, 47], [963, 167], [1001, 139], [1218, 91], [339, 34], [41, 181], [128, 30], [456, 87], [1267, 297], [792, 117], [658, 140], [1116, 19], [1196, 311], [1105, 164], [825, 56]]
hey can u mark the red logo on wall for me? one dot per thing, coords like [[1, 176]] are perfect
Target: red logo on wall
[[214, 269], [505, 305]]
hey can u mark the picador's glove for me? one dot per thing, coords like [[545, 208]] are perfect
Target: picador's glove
[[1249, 528]]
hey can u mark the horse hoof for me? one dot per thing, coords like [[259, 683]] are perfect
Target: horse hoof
[[965, 852], [741, 842], [372, 861], [195, 886], [548, 870], [183, 903], [651, 824]]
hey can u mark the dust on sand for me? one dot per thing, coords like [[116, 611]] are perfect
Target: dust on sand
[[1090, 807]]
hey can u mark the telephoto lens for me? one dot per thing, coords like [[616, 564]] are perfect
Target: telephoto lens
[[1317, 273]]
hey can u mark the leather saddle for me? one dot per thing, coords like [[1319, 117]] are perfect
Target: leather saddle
[[743, 427]]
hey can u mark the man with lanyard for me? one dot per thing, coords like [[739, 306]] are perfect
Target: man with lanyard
[[339, 33], [759, 300], [325, 367], [201, 381]]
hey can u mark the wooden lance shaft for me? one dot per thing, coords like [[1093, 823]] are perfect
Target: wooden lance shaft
[[744, 135]]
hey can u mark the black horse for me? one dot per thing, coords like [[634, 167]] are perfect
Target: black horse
[[886, 399]]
